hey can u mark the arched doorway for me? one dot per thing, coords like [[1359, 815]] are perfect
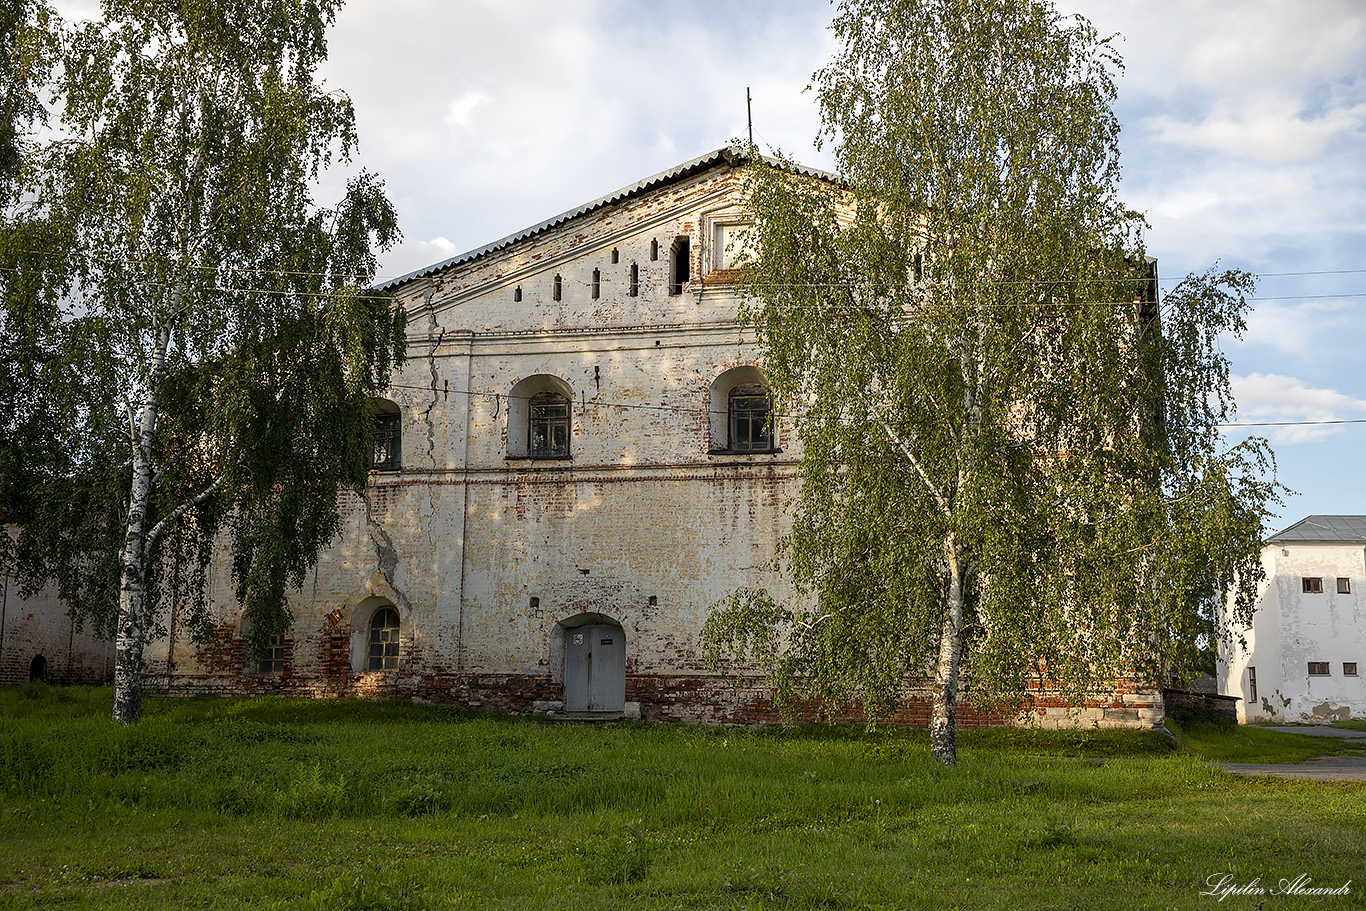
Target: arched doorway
[[37, 669], [595, 666]]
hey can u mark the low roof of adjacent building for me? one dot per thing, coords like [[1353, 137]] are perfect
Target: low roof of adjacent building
[[1323, 530]]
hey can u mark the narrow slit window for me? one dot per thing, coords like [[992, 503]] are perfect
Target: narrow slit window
[[1251, 684], [597, 284], [635, 280], [558, 289], [517, 294], [616, 257], [654, 250]]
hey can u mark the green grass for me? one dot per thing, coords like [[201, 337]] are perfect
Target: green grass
[[276, 804]]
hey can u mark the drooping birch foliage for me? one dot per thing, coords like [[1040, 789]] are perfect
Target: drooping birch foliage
[[217, 316], [1012, 477]]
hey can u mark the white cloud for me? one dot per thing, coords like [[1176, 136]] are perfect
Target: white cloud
[[460, 111], [1277, 133], [1296, 329], [1270, 397]]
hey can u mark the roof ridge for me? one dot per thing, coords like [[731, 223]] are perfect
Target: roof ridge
[[728, 154]]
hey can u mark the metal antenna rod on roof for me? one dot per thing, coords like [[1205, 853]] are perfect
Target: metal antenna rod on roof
[[749, 115]]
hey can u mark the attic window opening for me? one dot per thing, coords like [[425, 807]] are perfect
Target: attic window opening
[[1311, 585], [559, 286], [597, 284], [680, 264], [635, 280]]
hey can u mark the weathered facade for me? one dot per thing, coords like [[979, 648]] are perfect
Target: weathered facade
[[576, 462], [1302, 657], [578, 466], [39, 640]]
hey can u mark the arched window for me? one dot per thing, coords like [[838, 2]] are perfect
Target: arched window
[[742, 418], [388, 453], [539, 424], [383, 655]]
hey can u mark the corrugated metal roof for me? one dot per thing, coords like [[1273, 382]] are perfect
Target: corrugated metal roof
[[687, 169], [1323, 529]]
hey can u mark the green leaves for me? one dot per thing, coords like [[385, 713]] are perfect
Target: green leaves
[[990, 400], [222, 320]]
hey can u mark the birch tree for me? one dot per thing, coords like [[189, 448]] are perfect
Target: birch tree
[[219, 315], [1012, 477]]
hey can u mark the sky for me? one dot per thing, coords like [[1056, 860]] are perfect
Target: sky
[[1244, 143]]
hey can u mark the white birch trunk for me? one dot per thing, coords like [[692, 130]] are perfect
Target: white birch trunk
[[129, 638], [942, 746]]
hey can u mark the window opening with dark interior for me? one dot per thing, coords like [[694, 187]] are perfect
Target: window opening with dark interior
[[751, 429], [1312, 585], [654, 250], [273, 662], [559, 288], [388, 454], [597, 284], [517, 294], [1251, 684], [635, 280], [548, 427], [615, 256], [1344, 586], [680, 265], [384, 640]]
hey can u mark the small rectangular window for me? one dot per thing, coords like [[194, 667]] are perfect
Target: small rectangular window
[[1251, 684], [1318, 669], [1349, 668], [1344, 586], [1312, 585], [274, 660]]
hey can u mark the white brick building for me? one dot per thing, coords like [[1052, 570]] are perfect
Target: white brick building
[[1306, 647]]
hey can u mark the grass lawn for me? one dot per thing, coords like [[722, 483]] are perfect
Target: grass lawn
[[276, 804]]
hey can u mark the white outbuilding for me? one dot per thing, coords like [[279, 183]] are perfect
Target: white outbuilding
[[1300, 660]]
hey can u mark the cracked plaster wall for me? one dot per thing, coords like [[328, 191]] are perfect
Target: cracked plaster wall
[[1292, 628]]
